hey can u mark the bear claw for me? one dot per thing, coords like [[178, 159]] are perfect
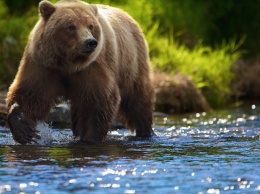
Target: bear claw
[[22, 128]]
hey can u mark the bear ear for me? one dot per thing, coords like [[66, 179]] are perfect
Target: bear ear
[[94, 8], [46, 9]]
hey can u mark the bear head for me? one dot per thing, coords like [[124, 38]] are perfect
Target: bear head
[[71, 35]]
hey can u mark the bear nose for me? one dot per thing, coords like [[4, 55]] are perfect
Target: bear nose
[[91, 43]]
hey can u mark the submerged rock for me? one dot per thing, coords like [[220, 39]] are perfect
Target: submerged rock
[[60, 116]]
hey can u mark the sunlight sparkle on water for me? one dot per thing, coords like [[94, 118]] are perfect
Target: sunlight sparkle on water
[[5, 188], [228, 188], [149, 172], [72, 180], [111, 171], [34, 184], [129, 191], [213, 191], [23, 185]]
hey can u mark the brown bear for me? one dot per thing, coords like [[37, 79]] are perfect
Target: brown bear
[[95, 56]]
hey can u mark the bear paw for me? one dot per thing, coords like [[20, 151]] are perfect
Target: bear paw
[[22, 128]]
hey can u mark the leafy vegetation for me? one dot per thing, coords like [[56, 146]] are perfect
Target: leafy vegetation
[[14, 31], [201, 39]]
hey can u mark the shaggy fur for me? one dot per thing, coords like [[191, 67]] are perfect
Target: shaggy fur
[[114, 78]]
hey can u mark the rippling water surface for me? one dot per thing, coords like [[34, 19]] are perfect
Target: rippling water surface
[[216, 152]]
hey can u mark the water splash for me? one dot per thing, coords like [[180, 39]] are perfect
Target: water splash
[[45, 132], [51, 136]]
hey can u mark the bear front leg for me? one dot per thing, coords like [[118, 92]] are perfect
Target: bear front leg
[[92, 118], [22, 128], [29, 100], [24, 110]]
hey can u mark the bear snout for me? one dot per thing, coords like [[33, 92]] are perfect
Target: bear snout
[[90, 44]]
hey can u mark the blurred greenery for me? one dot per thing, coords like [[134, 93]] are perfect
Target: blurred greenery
[[198, 38]]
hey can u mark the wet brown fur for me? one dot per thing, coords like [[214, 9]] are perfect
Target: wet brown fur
[[114, 79]]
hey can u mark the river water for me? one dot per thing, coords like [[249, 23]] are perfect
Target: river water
[[216, 152]]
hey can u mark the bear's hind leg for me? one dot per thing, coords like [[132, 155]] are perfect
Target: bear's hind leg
[[136, 110]]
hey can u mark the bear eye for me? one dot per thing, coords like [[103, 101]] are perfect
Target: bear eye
[[91, 27], [72, 27]]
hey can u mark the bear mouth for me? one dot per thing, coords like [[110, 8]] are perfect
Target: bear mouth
[[87, 52]]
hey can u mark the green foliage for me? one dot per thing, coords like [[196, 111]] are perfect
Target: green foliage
[[3, 9], [19, 7], [13, 37], [214, 21]]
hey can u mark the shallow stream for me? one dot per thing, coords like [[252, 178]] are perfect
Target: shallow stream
[[217, 152]]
